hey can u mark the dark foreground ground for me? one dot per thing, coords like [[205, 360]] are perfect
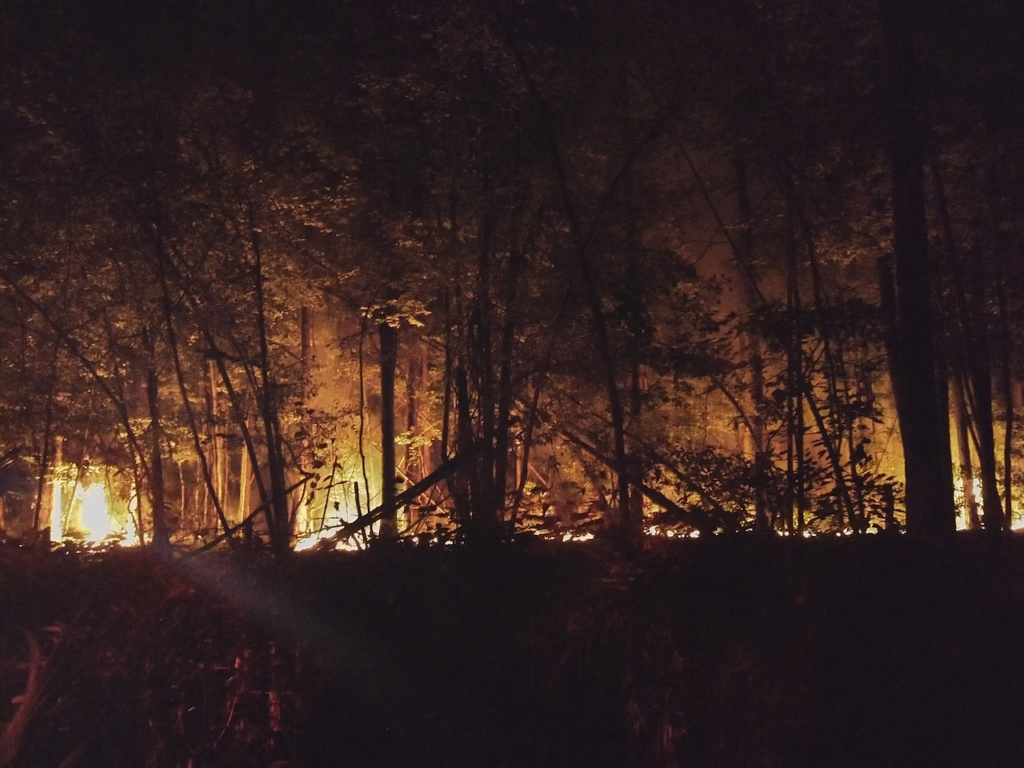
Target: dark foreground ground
[[724, 652]]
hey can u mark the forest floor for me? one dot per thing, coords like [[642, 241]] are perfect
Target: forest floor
[[730, 651]]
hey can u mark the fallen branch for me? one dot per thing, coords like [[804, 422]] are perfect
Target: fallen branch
[[443, 472], [698, 520], [231, 531]]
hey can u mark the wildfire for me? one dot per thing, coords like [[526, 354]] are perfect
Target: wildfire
[[311, 540], [81, 511], [330, 526], [670, 533], [962, 519]]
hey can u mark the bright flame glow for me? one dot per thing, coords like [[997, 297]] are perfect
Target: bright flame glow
[[310, 541], [962, 519], [670, 533], [96, 521], [56, 521], [570, 536], [131, 535], [339, 514], [89, 516]]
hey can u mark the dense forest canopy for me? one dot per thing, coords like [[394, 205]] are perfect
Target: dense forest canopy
[[346, 270]]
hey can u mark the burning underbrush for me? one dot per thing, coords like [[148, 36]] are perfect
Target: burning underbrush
[[720, 651]]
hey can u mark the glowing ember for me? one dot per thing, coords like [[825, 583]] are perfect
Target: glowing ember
[[569, 536], [670, 533], [308, 542]]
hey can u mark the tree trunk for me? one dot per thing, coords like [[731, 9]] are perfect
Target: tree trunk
[[214, 445], [302, 521], [634, 292], [484, 507], [1004, 327], [44, 458], [461, 485], [924, 429], [277, 512], [161, 536], [795, 385], [244, 484], [388, 359], [505, 382], [56, 501], [962, 420], [981, 401], [754, 357], [417, 456]]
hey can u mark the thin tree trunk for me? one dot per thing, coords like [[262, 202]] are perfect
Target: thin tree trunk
[[414, 459], [635, 315], [446, 399], [278, 517], [754, 356], [388, 335], [484, 500], [161, 535], [362, 415], [57, 504], [244, 484], [963, 442], [305, 459], [980, 397], [214, 445], [795, 386], [462, 485], [1004, 327], [505, 384], [416, 455], [44, 459]]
